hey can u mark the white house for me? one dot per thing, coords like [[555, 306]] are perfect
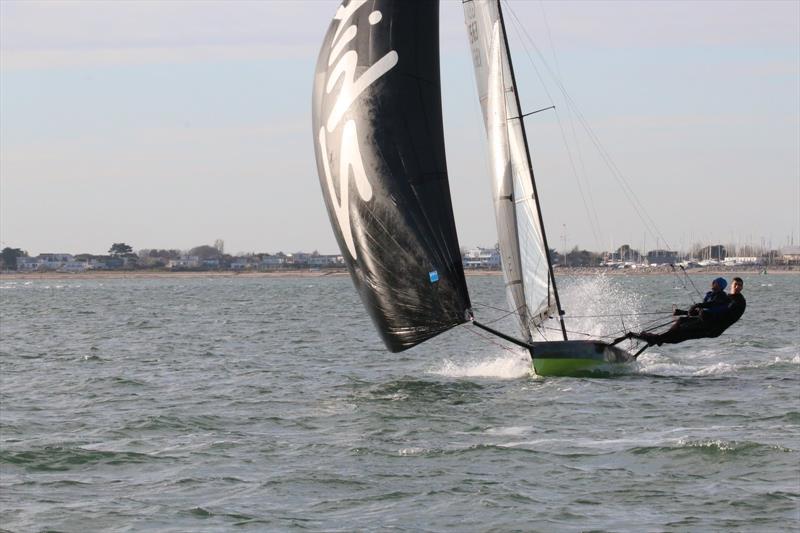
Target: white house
[[325, 260], [75, 266], [184, 262], [242, 263], [44, 262], [272, 261], [27, 263], [487, 258], [791, 255]]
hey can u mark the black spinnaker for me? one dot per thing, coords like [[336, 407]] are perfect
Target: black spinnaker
[[377, 124]]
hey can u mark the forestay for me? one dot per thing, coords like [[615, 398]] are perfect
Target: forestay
[[377, 125], [520, 235]]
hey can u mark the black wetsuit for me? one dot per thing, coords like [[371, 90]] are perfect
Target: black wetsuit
[[719, 312], [731, 313]]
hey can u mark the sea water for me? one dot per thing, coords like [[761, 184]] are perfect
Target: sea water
[[264, 404]]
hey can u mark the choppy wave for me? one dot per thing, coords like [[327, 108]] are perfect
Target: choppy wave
[[640, 444], [421, 391], [725, 446], [587, 448], [63, 458], [658, 364], [334, 433]]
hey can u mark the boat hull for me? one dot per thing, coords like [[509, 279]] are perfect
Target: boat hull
[[577, 358]]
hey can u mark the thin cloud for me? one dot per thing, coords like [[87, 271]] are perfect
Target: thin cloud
[[84, 34], [134, 56], [624, 24]]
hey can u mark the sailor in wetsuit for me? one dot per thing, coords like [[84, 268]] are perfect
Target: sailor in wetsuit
[[715, 314]]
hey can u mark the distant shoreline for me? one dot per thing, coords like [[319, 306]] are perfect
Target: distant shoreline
[[580, 271]]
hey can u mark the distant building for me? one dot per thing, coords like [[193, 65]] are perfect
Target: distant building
[[56, 258], [791, 255], [272, 262], [27, 264], [741, 260], [661, 257], [44, 262], [715, 252], [54, 261], [325, 260], [311, 260], [481, 258], [75, 266], [242, 263], [623, 254], [184, 263], [97, 264]]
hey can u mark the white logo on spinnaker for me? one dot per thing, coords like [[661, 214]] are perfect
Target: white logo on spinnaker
[[349, 158], [350, 89]]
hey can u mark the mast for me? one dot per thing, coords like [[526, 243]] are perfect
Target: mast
[[533, 180]]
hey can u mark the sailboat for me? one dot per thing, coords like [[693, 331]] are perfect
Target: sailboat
[[379, 145]]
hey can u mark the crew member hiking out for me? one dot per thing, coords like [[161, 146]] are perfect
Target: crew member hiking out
[[708, 319]]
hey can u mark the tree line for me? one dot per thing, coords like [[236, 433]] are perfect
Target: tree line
[[121, 253]]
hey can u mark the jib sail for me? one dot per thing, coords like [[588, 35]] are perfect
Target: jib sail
[[529, 288]]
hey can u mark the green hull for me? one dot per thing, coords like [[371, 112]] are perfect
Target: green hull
[[578, 358]]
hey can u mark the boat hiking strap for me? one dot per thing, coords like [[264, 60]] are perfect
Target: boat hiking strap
[[509, 338]]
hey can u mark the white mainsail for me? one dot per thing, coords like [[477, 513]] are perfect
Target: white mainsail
[[520, 236]]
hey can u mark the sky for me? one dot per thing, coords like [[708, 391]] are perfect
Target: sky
[[174, 124]]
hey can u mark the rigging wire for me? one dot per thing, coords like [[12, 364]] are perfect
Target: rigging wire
[[647, 326], [582, 333], [612, 335], [700, 294], [506, 315], [627, 190], [583, 173], [594, 224], [683, 283], [567, 315]]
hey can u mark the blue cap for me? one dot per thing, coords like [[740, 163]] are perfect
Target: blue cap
[[721, 282]]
